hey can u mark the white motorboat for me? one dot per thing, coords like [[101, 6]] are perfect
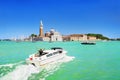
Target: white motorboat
[[43, 57]]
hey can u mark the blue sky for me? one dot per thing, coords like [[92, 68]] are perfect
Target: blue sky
[[22, 17]]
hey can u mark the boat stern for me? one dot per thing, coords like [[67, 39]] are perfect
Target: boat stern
[[33, 62]]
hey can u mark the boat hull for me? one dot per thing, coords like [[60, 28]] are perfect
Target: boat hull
[[37, 62]]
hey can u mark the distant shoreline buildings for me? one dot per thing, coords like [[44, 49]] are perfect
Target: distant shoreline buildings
[[78, 37], [53, 35]]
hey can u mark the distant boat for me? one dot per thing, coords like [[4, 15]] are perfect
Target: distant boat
[[88, 43]]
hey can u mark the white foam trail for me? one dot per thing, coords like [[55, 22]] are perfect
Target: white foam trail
[[11, 65], [68, 58], [21, 72]]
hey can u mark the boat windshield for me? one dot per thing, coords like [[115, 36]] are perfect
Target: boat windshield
[[40, 54], [54, 48]]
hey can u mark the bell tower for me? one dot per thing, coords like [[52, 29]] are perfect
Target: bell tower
[[41, 34]]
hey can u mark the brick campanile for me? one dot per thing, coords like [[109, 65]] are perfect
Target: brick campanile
[[41, 34]]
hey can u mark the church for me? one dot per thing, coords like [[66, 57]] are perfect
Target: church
[[52, 35]]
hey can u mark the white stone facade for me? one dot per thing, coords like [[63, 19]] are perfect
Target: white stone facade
[[55, 36]]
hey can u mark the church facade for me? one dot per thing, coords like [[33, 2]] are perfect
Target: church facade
[[52, 35]]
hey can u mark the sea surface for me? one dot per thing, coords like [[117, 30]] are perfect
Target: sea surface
[[83, 62]]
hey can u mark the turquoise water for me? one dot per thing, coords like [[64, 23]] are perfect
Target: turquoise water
[[83, 62]]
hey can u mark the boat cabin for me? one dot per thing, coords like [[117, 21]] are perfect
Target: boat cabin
[[54, 50]]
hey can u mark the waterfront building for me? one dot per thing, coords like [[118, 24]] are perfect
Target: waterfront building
[[52, 36], [47, 34], [55, 36], [78, 37], [91, 38]]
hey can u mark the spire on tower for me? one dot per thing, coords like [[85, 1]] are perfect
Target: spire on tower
[[41, 23]]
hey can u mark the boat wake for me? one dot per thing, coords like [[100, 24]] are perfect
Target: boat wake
[[6, 68], [21, 72], [11, 65], [30, 72]]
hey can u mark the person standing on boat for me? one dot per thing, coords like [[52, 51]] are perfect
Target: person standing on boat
[[40, 52]]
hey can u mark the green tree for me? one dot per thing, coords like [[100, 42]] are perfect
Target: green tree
[[33, 35], [98, 36], [118, 39]]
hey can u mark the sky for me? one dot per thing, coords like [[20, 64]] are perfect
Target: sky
[[22, 17]]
